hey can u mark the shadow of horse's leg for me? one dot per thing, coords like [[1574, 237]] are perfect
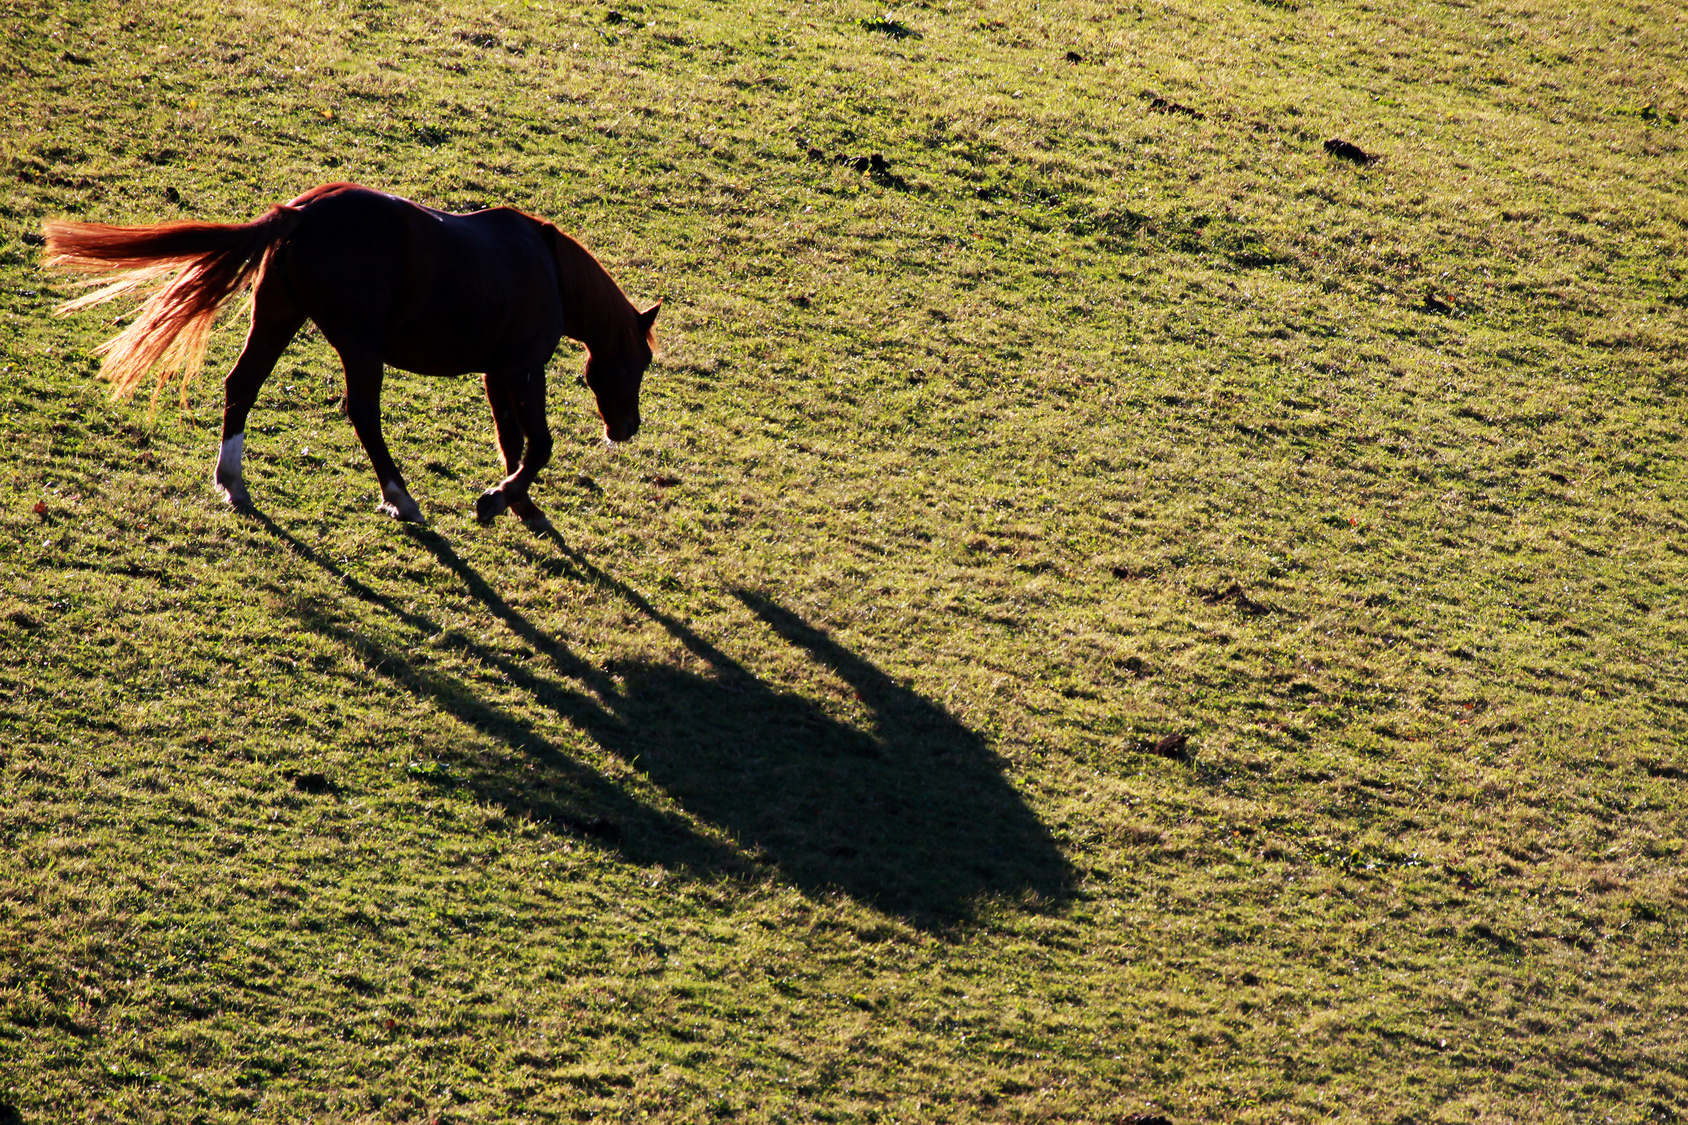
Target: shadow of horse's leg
[[276, 317], [363, 407]]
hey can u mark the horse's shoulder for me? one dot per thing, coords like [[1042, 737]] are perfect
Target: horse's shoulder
[[488, 218], [513, 224]]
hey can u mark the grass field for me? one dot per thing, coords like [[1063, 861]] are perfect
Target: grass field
[[822, 761]]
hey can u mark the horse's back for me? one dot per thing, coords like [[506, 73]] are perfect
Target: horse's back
[[433, 292]]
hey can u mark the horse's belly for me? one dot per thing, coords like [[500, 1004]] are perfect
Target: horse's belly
[[435, 361], [435, 354]]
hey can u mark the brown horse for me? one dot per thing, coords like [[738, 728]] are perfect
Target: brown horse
[[388, 282]]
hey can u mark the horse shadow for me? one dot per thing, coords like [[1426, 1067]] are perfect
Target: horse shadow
[[907, 812]]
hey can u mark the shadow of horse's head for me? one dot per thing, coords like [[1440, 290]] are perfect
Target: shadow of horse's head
[[907, 811]]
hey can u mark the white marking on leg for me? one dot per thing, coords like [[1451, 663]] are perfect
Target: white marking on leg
[[227, 476], [228, 461], [398, 503]]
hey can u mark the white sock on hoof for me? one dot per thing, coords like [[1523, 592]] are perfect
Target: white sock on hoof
[[396, 501], [228, 461]]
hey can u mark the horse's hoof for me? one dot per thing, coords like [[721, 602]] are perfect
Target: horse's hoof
[[525, 510], [488, 505], [408, 514], [237, 498], [397, 502]]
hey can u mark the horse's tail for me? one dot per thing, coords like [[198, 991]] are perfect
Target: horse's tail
[[169, 332]]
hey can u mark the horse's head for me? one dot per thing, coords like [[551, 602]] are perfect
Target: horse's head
[[614, 373]]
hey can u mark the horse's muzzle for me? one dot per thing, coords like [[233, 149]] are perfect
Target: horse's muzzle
[[623, 431]]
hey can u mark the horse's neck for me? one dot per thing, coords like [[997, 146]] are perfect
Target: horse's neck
[[595, 310]]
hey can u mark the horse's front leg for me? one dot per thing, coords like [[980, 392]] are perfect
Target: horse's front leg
[[363, 407], [518, 410], [510, 443]]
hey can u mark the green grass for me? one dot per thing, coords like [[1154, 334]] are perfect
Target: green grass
[[805, 771]]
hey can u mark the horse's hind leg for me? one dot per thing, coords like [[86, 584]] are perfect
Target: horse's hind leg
[[275, 319], [363, 407], [518, 409]]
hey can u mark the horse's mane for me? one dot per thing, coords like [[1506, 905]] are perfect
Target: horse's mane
[[598, 304]]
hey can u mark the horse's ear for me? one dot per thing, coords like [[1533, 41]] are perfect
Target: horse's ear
[[648, 317]]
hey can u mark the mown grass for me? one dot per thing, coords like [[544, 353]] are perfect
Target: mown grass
[[804, 772]]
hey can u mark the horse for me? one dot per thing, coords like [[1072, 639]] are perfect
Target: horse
[[388, 282]]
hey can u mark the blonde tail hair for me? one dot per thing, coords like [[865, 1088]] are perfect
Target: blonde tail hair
[[212, 261]]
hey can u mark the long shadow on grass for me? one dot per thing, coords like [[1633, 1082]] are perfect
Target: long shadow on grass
[[547, 784], [911, 815]]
